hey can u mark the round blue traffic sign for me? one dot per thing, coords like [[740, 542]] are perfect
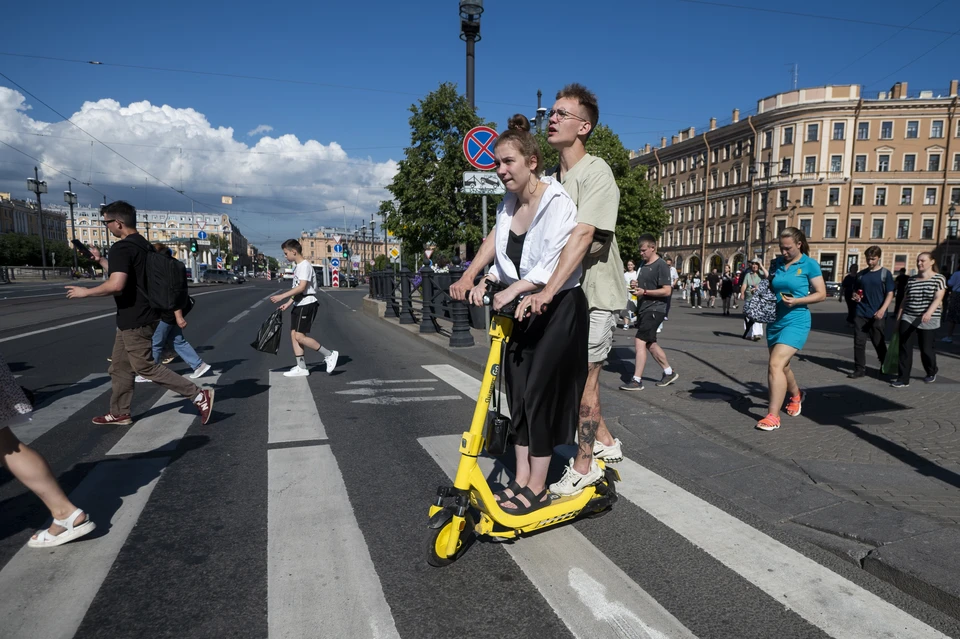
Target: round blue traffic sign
[[478, 147], [219, 260], [337, 248], [202, 235], [335, 262]]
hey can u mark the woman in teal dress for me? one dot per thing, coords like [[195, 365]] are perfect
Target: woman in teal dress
[[797, 281]]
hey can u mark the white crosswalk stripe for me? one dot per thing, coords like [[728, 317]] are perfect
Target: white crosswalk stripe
[[62, 407]]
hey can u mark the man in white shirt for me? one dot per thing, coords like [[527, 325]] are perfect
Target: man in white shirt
[[674, 276], [303, 296]]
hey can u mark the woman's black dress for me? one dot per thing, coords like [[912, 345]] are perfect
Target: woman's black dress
[[545, 368]]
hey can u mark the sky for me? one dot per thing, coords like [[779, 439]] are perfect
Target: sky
[[301, 110]]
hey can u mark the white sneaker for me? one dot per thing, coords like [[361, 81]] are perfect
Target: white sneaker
[[141, 379], [200, 372], [610, 454], [331, 360], [573, 483], [296, 371]]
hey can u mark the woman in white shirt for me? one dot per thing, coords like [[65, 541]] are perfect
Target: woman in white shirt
[[545, 364], [630, 275]]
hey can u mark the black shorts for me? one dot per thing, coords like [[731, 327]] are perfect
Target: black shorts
[[647, 324], [301, 317]]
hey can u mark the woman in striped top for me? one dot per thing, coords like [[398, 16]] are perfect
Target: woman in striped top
[[920, 314]]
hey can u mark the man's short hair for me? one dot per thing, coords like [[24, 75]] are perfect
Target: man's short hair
[[873, 251], [646, 238], [293, 245], [586, 98], [123, 211]]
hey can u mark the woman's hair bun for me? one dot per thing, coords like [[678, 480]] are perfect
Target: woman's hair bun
[[519, 122]]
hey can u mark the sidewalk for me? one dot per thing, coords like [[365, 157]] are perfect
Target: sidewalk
[[868, 472]]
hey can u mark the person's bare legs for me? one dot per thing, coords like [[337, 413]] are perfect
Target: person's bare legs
[[295, 341], [659, 355], [641, 361], [780, 377], [535, 479], [32, 470], [591, 426]]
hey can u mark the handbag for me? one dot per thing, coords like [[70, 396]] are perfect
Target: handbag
[[762, 307], [269, 335], [892, 361], [499, 428]]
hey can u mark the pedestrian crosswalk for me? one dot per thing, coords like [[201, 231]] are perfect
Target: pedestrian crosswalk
[[323, 578]]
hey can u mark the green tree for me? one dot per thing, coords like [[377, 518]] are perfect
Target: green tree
[[221, 242], [641, 210], [428, 205]]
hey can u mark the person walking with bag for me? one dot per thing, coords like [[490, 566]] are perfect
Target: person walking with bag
[[749, 283], [873, 294], [919, 316], [696, 291], [24, 463], [171, 328], [797, 281], [726, 289]]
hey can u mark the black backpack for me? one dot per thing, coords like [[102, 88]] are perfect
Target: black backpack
[[165, 279]]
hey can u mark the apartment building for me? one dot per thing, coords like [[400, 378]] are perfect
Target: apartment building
[[363, 245], [849, 171], [20, 216]]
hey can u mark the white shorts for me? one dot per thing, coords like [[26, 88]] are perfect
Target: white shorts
[[600, 341]]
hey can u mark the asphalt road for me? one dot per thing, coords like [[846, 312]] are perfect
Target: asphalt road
[[300, 510]]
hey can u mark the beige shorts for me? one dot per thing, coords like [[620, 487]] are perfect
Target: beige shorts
[[600, 342]]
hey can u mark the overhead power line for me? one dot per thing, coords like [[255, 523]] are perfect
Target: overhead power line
[[53, 168]]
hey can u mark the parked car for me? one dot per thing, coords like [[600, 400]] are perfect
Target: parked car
[[833, 289]]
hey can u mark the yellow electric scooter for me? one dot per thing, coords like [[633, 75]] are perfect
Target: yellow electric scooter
[[452, 520]]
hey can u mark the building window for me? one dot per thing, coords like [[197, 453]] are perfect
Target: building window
[[881, 196], [726, 152], [736, 206], [930, 196], [933, 162], [926, 230], [956, 161], [767, 139], [913, 129], [723, 234], [858, 196], [786, 166], [860, 163], [957, 134], [886, 130], [903, 229], [781, 226], [737, 174], [713, 210], [876, 233], [715, 156], [813, 132], [855, 228], [710, 235], [329, 249], [784, 201], [810, 164], [834, 196], [906, 195], [936, 129], [899, 262], [839, 130], [788, 134], [723, 209], [734, 232], [863, 131], [807, 198], [955, 196], [883, 163], [830, 228], [836, 163], [806, 225], [726, 178], [910, 162]]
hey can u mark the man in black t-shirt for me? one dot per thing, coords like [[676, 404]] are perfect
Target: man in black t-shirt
[[713, 285], [136, 321]]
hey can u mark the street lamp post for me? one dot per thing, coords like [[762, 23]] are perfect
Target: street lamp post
[[71, 198], [37, 186], [470, 11]]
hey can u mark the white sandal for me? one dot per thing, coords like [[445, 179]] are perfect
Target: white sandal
[[46, 539]]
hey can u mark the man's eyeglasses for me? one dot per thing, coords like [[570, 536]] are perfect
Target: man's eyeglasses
[[107, 222], [563, 114]]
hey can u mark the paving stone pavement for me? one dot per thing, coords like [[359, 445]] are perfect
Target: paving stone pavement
[[861, 439]]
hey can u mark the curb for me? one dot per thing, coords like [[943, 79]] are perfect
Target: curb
[[885, 543]]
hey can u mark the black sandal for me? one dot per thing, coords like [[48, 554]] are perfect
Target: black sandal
[[501, 496], [535, 502]]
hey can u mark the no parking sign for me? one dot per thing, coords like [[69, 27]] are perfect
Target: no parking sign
[[478, 147]]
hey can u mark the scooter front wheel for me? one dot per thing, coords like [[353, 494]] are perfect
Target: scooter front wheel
[[437, 539]]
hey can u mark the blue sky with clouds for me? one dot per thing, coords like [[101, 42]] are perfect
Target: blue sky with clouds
[[327, 86]]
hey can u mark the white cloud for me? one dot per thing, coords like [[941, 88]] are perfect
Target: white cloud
[[262, 128], [282, 183]]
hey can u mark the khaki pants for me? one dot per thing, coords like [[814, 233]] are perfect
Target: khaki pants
[[133, 355]]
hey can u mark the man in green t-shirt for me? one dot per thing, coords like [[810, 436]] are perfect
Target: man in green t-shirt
[[593, 243]]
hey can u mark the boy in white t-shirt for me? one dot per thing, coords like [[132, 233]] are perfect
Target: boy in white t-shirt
[[304, 301]]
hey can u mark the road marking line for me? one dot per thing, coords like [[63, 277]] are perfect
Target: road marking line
[[319, 570], [352, 310], [28, 297], [591, 595], [237, 318], [381, 382], [393, 401], [165, 426], [63, 405], [67, 578], [372, 391], [257, 304], [292, 414], [466, 384], [83, 321]]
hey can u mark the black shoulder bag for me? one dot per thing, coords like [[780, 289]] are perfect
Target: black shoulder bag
[[499, 427]]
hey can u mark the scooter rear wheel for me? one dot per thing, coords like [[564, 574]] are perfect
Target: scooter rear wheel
[[437, 538]]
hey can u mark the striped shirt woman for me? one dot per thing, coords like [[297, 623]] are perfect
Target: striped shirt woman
[[919, 316]]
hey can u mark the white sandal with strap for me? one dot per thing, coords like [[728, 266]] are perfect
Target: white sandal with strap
[[46, 539]]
